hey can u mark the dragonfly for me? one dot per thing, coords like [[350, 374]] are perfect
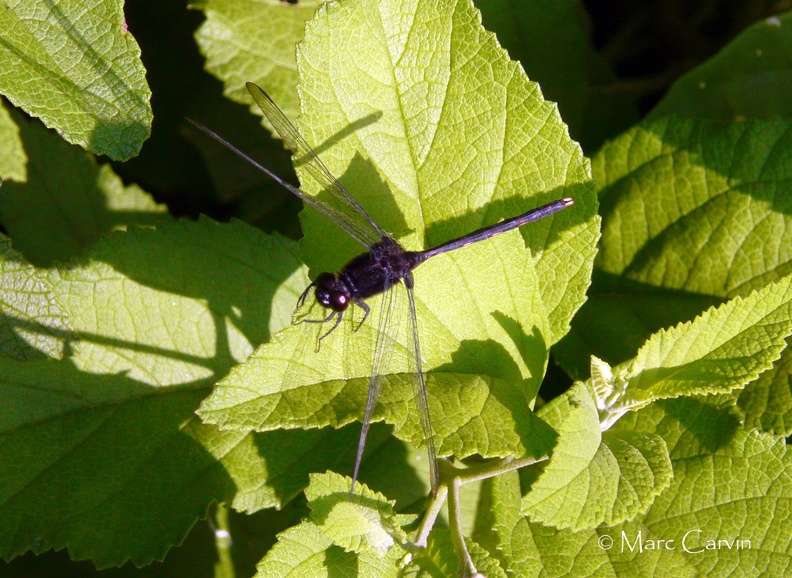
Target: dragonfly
[[382, 266]]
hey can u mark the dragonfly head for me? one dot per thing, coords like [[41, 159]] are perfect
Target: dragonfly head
[[331, 292]]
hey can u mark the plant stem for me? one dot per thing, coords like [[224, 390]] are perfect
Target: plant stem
[[455, 527], [224, 567]]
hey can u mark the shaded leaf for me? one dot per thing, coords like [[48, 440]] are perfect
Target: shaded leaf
[[254, 42], [695, 212], [156, 316], [69, 200], [749, 78], [363, 522], [304, 550]]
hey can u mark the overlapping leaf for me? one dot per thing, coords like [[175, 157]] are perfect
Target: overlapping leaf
[[74, 65], [594, 478], [12, 152], [695, 212]]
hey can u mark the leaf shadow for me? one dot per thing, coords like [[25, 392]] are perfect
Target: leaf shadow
[[63, 209]]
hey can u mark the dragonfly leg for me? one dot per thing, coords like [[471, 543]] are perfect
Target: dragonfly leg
[[333, 328], [301, 300], [362, 304]]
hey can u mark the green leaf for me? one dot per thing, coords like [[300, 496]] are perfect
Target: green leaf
[[767, 401], [74, 65], [749, 78], [68, 201], [364, 522], [254, 42], [305, 551], [465, 143], [594, 478], [32, 322], [285, 384], [156, 316], [721, 350], [13, 160], [737, 490], [439, 559], [694, 212], [555, 497]]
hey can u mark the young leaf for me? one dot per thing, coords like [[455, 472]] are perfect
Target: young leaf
[[365, 522], [767, 401], [74, 65], [721, 350], [747, 79], [305, 551], [554, 497], [594, 478], [439, 559], [68, 200], [32, 322]]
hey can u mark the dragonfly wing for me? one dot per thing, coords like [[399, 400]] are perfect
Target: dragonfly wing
[[356, 228], [344, 203], [394, 307], [419, 393]]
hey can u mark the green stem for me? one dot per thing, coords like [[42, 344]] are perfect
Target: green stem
[[455, 526], [224, 567]]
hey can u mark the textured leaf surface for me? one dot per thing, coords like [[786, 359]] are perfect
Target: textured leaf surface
[[305, 551], [117, 465], [721, 350], [74, 65], [726, 487], [728, 484], [439, 559], [32, 322], [749, 78], [695, 212], [550, 39], [463, 140], [594, 478], [365, 522], [68, 201]]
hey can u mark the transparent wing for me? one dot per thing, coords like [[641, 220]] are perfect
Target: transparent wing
[[347, 208], [362, 234], [392, 313], [419, 394]]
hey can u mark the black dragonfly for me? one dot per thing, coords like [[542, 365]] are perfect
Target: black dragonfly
[[383, 265]]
